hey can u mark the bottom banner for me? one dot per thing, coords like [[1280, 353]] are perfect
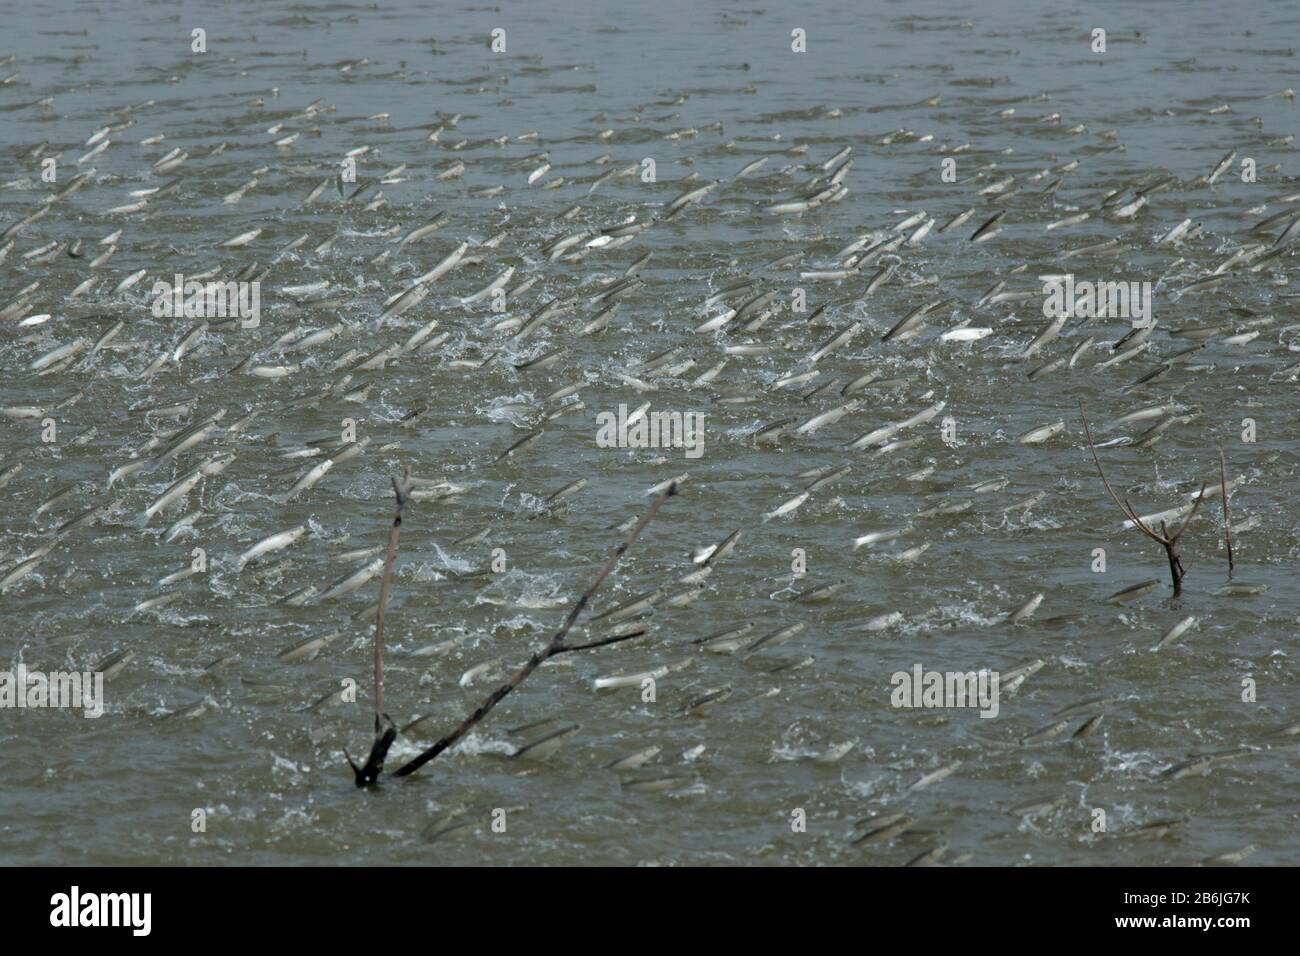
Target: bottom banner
[[308, 905]]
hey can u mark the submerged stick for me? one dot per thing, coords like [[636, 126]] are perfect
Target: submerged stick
[[556, 646], [1227, 522]]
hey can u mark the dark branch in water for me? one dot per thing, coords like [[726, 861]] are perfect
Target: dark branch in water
[[1227, 522], [368, 774], [385, 730], [556, 646], [1169, 541], [600, 643]]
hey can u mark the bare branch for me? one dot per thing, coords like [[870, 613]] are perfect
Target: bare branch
[[400, 492], [556, 646], [385, 730], [369, 774], [1167, 540], [1123, 506], [599, 643], [1140, 524], [1190, 515], [1227, 522]]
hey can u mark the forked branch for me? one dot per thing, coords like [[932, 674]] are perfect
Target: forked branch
[[556, 646], [1163, 536]]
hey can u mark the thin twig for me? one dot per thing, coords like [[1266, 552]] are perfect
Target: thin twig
[[1123, 506], [1227, 522], [1176, 570], [1196, 506], [565, 648], [556, 646], [400, 492], [1140, 524], [385, 729]]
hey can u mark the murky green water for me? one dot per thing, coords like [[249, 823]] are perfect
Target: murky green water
[[703, 90]]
